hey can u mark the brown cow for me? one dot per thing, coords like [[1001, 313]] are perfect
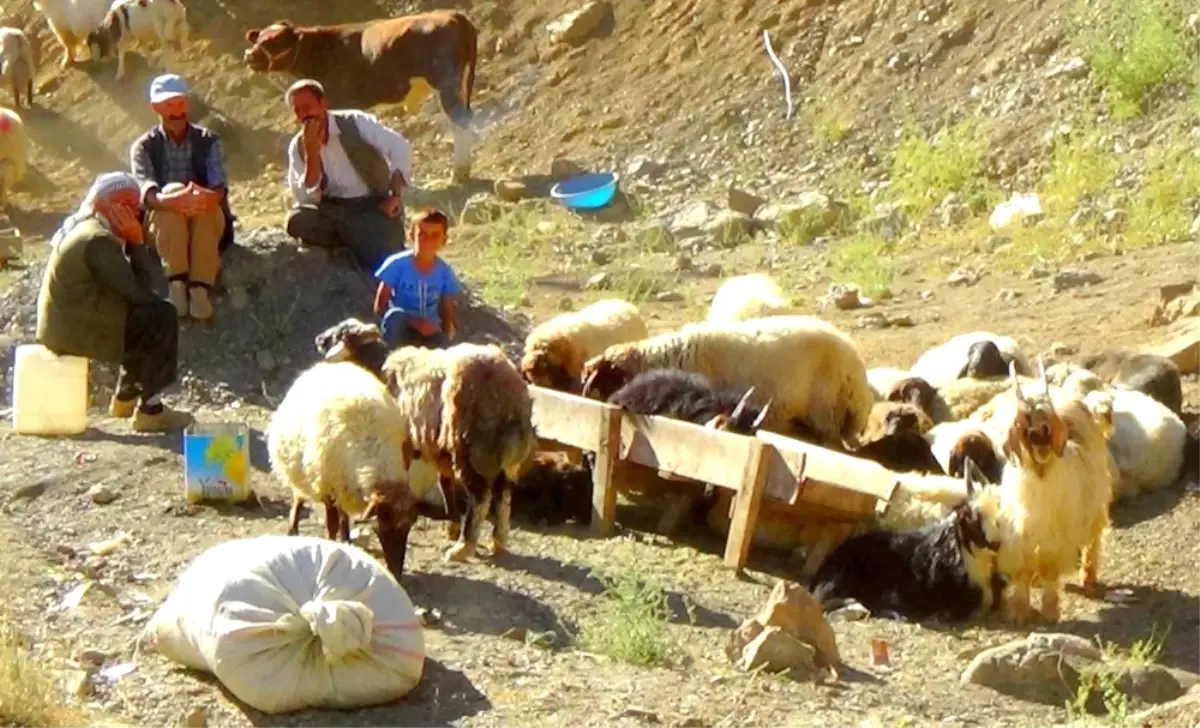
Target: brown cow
[[400, 59]]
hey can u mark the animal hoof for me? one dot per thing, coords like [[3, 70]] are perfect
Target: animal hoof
[[499, 549], [460, 552]]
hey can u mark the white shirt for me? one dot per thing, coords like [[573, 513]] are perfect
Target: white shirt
[[341, 179]]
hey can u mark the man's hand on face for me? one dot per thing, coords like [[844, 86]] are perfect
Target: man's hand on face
[[125, 223], [314, 135]]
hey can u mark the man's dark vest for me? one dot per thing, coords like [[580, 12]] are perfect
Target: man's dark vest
[[202, 140]]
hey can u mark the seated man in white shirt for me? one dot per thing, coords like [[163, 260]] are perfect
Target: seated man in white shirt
[[346, 172]]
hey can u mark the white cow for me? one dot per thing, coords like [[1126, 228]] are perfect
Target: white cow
[[72, 21]]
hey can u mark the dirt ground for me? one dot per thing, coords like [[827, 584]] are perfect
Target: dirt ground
[[684, 82]]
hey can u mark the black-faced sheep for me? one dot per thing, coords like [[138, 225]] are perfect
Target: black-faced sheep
[[556, 350], [953, 442], [692, 398], [1153, 375], [811, 371], [553, 490], [974, 355], [946, 570], [895, 439], [752, 296], [336, 439], [1054, 494]]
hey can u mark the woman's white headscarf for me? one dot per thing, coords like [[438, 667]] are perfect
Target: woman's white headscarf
[[104, 185]]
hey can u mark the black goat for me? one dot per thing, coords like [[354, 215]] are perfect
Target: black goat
[[690, 397], [1155, 376], [946, 570]]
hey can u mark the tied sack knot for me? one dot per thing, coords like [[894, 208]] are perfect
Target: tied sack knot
[[342, 627]]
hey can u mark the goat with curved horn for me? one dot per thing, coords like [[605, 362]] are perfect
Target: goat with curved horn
[[740, 409], [1012, 373]]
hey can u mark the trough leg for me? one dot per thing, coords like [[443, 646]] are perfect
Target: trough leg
[[294, 527], [333, 520]]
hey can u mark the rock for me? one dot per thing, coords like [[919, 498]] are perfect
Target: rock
[[1181, 711], [563, 167], [964, 277], [741, 638], [1068, 644], [1068, 278], [811, 216], [903, 320], [92, 658], [510, 190], [844, 297], [1007, 295], [778, 651], [1036, 673], [600, 281], [712, 270], [952, 210], [643, 168], [480, 209], [265, 361], [876, 320], [744, 202], [1074, 67], [1038, 271], [75, 684], [729, 228], [601, 257], [683, 262], [102, 495], [30, 491], [577, 26], [1175, 301], [1194, 230], [792, 608], [852, 612], [668, 297], [1019, 208], [195, 718], [887, 221], [566, 303], [1059, 351], [238, 298]]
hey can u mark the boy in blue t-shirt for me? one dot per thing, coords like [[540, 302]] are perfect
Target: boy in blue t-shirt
[[417, 293]]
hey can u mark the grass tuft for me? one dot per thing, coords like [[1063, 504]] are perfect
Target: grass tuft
[[862, 260], [630, 622], [924, 171], [28, 695]]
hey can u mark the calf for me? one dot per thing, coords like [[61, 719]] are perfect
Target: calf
[[16, 64], [382, 61], [139, 21], [71, 21]]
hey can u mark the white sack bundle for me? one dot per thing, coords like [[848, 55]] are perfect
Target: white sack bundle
[[293, 622]]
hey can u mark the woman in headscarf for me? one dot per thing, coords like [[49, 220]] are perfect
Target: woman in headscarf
[[98, 301]]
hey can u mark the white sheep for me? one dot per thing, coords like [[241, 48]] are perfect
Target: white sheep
[[556, 350], [1052, 502], [336, 439], [17, 66], [883, 381], [978, 354], [752, 296], [13, 147], [71, 21], [811, 371]]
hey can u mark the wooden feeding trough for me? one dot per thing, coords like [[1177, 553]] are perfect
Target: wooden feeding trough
[[768, 465]]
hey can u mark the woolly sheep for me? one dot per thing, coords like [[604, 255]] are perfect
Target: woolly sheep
[[336, 439], [811, 371], [13, 146], [17, 66], [883, 381], [1052, 501], [469, 410], [1150, 374], [752, 296], [978, 355], [556, 349], [894, 439]]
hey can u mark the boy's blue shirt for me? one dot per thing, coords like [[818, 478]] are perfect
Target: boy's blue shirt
[[417, 293]]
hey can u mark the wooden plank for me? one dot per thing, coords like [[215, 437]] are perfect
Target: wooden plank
[[604, 489], [685, 449], [797, 466], [746, 505], [1183, 349], [568, 418]]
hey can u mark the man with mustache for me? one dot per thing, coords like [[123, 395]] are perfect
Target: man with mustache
[[181, 169], [346, 172]]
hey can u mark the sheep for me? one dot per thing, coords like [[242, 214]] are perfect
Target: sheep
[[749, 297], [72, 21], [1148, 441], [556, 349], [884, 379], [14, 144], [553, 490], [336, 439], [953, 443], [469, 411], [946, 570], [895, 439], [17, 66], [978, 355], [140, 21], [811, 371], [1150, 374], [1053, 495]]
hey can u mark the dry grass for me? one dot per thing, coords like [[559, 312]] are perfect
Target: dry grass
[[28, 694]]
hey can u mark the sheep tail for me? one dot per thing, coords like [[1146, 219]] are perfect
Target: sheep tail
[[503, 448]]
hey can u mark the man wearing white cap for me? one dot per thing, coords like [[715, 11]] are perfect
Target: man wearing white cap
[[181, 169], [98, 301]]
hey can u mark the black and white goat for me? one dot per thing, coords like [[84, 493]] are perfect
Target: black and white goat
[[946, 570]]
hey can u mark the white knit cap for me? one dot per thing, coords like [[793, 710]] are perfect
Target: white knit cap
[[108, 183]]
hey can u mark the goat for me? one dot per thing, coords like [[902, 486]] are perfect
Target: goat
[[17, 66]]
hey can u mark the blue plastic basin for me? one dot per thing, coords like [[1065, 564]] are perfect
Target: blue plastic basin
[[586, 191]]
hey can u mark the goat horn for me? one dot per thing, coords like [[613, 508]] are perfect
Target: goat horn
[[587, 383], [969, 475], [740, 409], [762, 415], [1012, 373], [1042, 373]]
